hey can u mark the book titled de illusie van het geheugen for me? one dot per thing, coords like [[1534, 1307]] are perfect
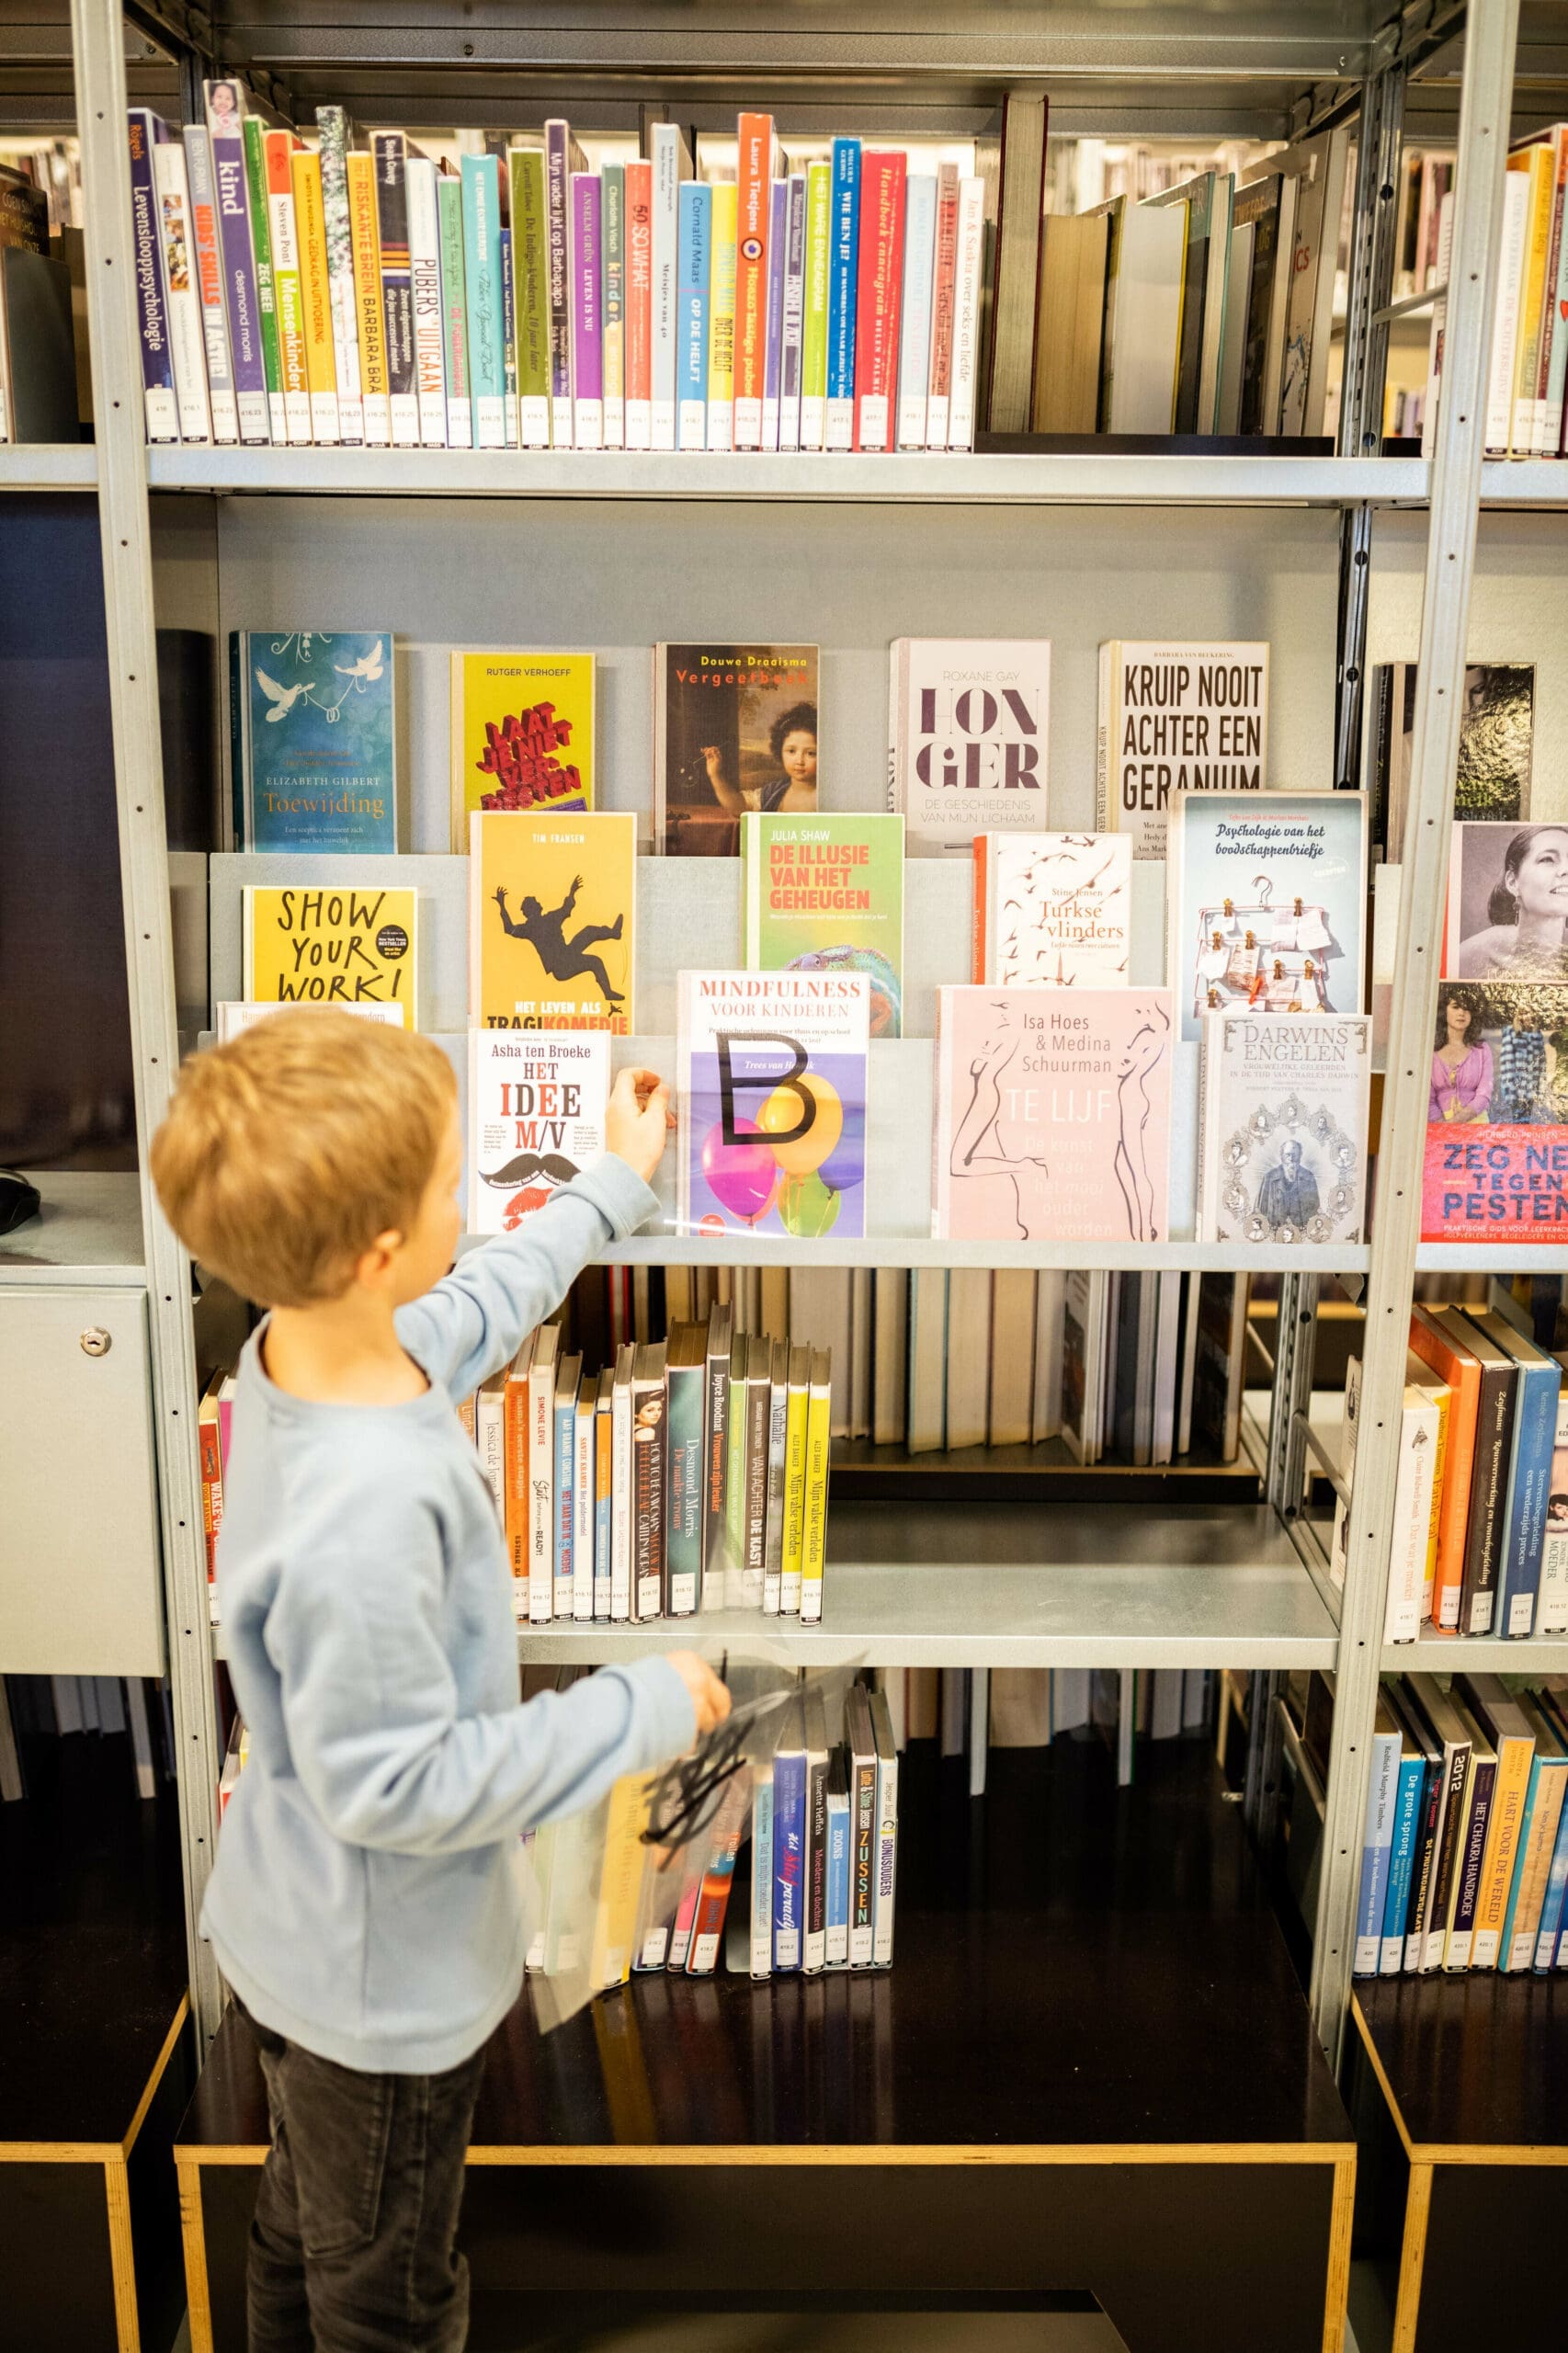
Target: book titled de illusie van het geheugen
[[311, 718]]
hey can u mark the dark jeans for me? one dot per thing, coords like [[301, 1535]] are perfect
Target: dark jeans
[[351, 2250]]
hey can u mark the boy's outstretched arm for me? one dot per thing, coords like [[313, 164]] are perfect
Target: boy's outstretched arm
[[477, 1318]]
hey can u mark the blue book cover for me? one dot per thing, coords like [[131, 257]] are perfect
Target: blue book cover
[[565, 1480], [1549, 1930], [788, 1848], [1376, 1849], [1530, 1475], [314, 728], [1407, 1814], [481, 277], [837, 1862], [694, 261], [761, 1871], [843, 264]]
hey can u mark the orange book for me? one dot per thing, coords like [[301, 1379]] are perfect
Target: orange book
[[638, 303], [753, 178], [517, 1420], [210, 1458], [1436, 1343]]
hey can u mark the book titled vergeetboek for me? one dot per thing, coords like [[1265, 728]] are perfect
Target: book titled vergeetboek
[[313, 738]]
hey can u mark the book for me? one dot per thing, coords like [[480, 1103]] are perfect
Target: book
[[819, 1410], [1489, 1475], [1507, 904], [737, 1428], [843, 278], [968, 1366], [685, 1375], [522, 733], [814, 304], [814, 1939], [562, 156], [160, 402], [1145, 251], [1069, 322], [1538, 1390], [1020, 204], [1539, 1824], [734, 731], [826, 893], [182, 289], [542, 1366], [1287, 872], [793, 1542], [1438, 1341], [455, 354], [884, 1889], [604, 1495], [1450, 1736], [584, 262], [1495, 1167], [835, 1938], [288, 285], [694, 271], [1473, 1817], [671, 161], [1052, 910], [755, 163], [304, 944], [1420, 1447], [877, 298], [1377, 1842], [1511, 1738], [1409, 1802], [1219, 1367], [864, 1829], [1052, 1114], [551, 930], [772, 1103], [568, 1382], [313, 717], [1176, 718], [225, 107], [622, 1531], [1552, 1608], [944, 288], [639, 305], [969, 723], [718, 1879], [752, 1589], [1268, 206], [720, 409], [1283, 1133], [1083, 1363], [530, 268], [777, 1426], [364, 231], [536, 1111], [648, 1485], [483, 303], [315, 296], [716, 1458], [583, 1498], [613, 226], [516, 1505], [968, 280], [1491, 778], [789, 1841], [424, 294], [762, 1868], [919, 280], [207, 250], [390, 150], [337, 138]]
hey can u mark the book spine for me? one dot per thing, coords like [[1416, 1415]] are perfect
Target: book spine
[[454, 315], [565, 1594], [333, 124], [735, 1494], [792, 322], [1510, 1792], [424, 286], [773, 357], [1505, 315], [620, 1588], [557, 208], [239, 283], [1535, 1434], [517, 1413], [185, 346], [287, 289], [813, 1942], [209, 283], [1522, 1909], [1455, 1781], [967, 286], [835, 1942], [1467, 1890], [1549, 438], [315, 296], [1427, 1865], [211, 1470], [1552, 1608], [1551, 1909], [667, 185], [695, 265], [648, 1505], [877, 301], [152, 305], [885, 1890], [612, 203], [814, 1536], [919, 265], [509, 337], [814, 306], [1375, 1853], [542, 1495], [862, 1862], [754, 163], [374, 390], [483, 299], [713, 1893], [588, 320], [758, 1416], [640, 307], [716, 1456], [1412, 1522], [761, 1871], [604, 1510], [266, 297], [389, 150], [721, 320], [789, 1857], [844, 256], [490, 1442], [531, 257], [1402, 1862], [944, 298], [1493, 1438], [773, 1556], [683, 1488], [239, 743]]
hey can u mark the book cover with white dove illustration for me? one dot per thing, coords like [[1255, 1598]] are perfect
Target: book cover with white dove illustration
[[312, 717], [1052, 910]]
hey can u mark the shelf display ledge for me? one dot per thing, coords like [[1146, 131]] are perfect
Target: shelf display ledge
[[48, 465], [919, 1250]]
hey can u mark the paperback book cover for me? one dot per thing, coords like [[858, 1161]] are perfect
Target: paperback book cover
[[772, 1103], [1283, 1128], [1491, 777], [316, 947], [1496, 1165], [536, 1114], [522, 733], [826, 895], [734, 730], [969, 721], [1268, 904], [1052, 1115], [1507, 912], [1177, 718], [1052, 910], [313, 720], [551, 905]]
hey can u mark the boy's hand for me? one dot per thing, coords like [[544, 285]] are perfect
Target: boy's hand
[[708, 1696], [637, 1119]]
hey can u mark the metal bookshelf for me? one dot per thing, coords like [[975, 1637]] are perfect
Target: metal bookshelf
[[1106, 1586]]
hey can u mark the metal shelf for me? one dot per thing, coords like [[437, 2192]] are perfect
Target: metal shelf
[[905, 478], [88, 1235], [48, 465], [1524, 481], [1446, 1654], [917, 1250], [1496, 1258]]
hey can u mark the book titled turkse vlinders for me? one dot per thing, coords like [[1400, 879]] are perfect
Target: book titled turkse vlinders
[[1176, 718], [968, 724], [1052, 910], [536, 1116], [772, 1103], [826, 893], [1052, 1115], [1282, 1133], [312, 716]]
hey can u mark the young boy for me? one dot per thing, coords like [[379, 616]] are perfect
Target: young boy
[[363, 1905]]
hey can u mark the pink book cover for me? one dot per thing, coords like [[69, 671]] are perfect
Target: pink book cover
[[639, 297], [881, 281], [1052, 1115]]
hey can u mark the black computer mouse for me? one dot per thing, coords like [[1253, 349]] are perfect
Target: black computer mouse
[[18, 1199]]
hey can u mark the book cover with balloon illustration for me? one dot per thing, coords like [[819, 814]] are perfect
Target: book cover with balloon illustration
[[522, 733], [550, 905], [826, 895], [772, 1103], [536, 1115], [1052, 1115], [311, 718]]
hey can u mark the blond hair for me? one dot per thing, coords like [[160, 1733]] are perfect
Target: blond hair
[[287, 1150]]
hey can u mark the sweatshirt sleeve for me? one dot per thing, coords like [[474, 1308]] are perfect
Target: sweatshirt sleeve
[[372, 1712], [478, 1317]]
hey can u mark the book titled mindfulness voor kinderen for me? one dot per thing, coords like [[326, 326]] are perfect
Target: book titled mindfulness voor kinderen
[[312, 724]]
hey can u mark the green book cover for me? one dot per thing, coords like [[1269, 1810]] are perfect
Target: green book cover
[[454, 314], [255, 131], [814, 342], [530, 274], [826, 893]]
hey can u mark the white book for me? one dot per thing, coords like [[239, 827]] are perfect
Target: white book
[[182, 291], [490, 1436], [1051, 1295], [969, 727], [1412, 1515], [1176, 717], [201, 193], [582, 1456], [424, 269], [333, 126], [671, 160], [1511, 264], [1143, 317], [793, 328], [620, 1487], [1283, 1128], [967, 291], [1052, 910], [885, 1869], [915, 339]]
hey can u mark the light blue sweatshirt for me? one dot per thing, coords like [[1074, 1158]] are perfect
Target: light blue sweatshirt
[[363, 1901]]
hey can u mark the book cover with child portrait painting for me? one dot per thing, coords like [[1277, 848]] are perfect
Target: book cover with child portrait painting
[[735, 730]]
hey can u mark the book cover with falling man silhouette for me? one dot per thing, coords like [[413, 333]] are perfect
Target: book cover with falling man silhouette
[[536, 1116], [1052, 1115], [312, 721], [522, 733], [1052, 910], [550, 902]]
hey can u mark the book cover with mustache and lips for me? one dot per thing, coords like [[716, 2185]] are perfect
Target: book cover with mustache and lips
[[536, 1111]]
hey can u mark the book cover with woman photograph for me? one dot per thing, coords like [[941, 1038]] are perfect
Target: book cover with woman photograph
[[1497, 1134], [1508, 902], [735, 731]]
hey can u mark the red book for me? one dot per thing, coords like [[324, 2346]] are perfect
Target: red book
[[943, 306], [877, 300], [753, 178], [718, 1878], [639, 305]]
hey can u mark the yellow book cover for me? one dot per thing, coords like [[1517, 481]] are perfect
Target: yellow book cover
[[364, 237], [288, 297], [1540, 163], [721, 320], [315, 294], [796, 1416], [522, 733], [550, 920], [1516, 1753], [819, 1417], [620, 1881], [344, 944]]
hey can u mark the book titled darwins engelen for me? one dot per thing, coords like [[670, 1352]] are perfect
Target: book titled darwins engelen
[[968, 727], [1176, 718], [1282, 1133], [536, 1108]]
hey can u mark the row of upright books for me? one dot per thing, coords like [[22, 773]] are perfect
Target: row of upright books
[[1529, 363], [1464, 1860]]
